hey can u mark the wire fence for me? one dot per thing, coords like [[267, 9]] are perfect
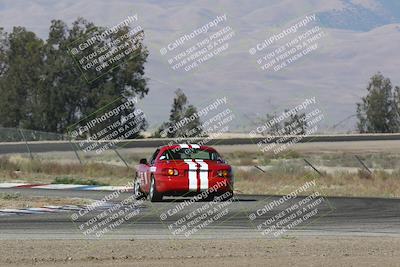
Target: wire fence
[[26, 138], [23, 135]]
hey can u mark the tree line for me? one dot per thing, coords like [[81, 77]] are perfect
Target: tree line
[[41, 88], [378, 111]]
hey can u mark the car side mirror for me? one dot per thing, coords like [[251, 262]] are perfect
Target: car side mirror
[[143, 161]]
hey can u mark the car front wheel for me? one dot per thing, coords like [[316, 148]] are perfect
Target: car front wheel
[[154, 196], [137, 192]]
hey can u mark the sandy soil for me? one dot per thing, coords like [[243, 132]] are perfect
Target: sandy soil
[[303, 251]]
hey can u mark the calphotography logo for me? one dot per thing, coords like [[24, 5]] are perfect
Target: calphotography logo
[[191, 50], [103, 50], [284, 130], [106, 128], [208, 123], [107, 214], [289, 212], [290, 45], [191, 216]]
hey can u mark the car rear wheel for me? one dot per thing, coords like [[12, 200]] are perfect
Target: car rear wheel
[[138, 193], [154, 196]]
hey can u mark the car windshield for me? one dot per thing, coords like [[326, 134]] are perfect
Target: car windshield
[[190, 153]]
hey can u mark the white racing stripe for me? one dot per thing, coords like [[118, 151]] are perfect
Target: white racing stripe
[[188, 146], [203, 174], [192, 174]]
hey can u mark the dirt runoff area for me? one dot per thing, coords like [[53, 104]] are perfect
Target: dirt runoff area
[[301, 251], [18, 201]]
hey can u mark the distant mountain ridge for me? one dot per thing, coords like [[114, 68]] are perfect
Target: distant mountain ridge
[[358, 17]]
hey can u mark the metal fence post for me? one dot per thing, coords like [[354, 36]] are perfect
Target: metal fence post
[[363, 164], [76, 153], [26, 143], [315, 169], [119, 155]]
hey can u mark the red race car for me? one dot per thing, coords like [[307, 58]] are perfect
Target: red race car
[[183, 170]]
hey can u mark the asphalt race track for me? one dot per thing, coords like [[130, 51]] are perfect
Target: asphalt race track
[[336, 216]]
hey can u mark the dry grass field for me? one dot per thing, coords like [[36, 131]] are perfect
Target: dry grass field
[[282, 173]]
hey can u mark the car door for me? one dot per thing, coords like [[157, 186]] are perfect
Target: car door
[[145, 172]]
